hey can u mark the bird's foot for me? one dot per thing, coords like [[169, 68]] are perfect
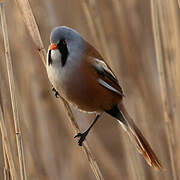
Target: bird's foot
[[82, 137], [55, 92]]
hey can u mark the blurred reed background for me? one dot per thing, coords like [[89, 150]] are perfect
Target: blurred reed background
[[140, 40]]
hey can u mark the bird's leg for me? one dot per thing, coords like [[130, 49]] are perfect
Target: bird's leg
[[84, 134], [55, 92]]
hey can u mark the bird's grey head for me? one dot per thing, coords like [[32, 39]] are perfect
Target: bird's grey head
[[67, 41], [64, 33]]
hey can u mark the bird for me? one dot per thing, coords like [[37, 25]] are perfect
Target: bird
[[83, 78]]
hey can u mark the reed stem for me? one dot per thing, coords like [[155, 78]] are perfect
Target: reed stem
[[7, 147], [13, 95]]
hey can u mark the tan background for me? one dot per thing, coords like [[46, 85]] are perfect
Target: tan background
[[51, 153]]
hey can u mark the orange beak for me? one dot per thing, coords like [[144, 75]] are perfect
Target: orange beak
[[53, 46]]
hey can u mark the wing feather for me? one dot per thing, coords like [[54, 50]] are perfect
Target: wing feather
[[106, 76]]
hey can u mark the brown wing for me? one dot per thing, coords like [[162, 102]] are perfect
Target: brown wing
[[106, 76]]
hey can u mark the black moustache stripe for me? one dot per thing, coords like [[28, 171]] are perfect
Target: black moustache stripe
[[49, 58], [62, 46]]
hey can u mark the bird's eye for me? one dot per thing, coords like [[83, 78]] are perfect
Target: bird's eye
[[63, 42]]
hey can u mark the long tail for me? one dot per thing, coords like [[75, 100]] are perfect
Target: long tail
[[135, 135]]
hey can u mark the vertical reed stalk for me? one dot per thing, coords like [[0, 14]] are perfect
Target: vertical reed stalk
[[96, 27], [6, 165], [7, 148], [13, 95], [31, 24], [164, 22]]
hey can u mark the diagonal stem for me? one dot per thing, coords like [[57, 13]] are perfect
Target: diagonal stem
[[31, 24]]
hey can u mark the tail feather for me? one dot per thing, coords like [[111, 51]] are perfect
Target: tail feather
[[136, 136], [144, 147]]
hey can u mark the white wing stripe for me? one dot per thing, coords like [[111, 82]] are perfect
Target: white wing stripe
[[100, 65], [105, 84]]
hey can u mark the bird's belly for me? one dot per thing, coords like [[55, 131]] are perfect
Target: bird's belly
[[88, 97], [78, 94], [81, 93], [69, 86]]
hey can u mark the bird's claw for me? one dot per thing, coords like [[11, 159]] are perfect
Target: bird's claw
[[77, 135], [55, 92], [82, 137]]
